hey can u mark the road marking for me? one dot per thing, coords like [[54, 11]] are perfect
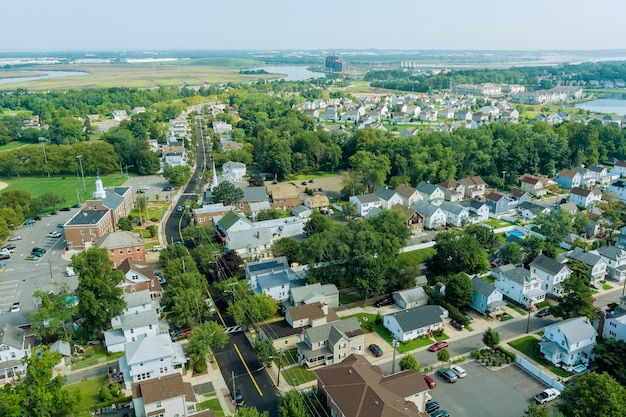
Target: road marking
[[248, 370], [233, 329], [216, 309]]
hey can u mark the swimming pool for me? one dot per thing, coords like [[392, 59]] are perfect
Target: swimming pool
[[515, 233]]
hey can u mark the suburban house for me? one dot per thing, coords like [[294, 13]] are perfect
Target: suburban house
[[419, 321], [619, 169], [615, 259], [568, 179], [600, 174], [518, 284], [365, 203], [583, 197], [533, 185], [408, 194], [432, 214], [252, 195], [497, 203], [151, 357], [206, 215], [551, 273], [596, 263], [316, 202], [274, 277], [569, 342], [166, 396], [453, 191], [389, 198], [619, 189], [530, 211], [141, 318], [139, 277], [570, 207], [412, 219], [613, 324], [456, 214], [14, 347], [312, 293], [355, 388], [234, 171], [478, 210], [411, 297], [118, 115], [517, 196], [331, 343], [474, 186], [121, 245], [431, 193], [486, 299]]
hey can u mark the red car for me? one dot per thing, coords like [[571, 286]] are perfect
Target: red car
[[601, 235], [438, 346]]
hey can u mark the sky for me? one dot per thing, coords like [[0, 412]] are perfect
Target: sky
[[114, 25]]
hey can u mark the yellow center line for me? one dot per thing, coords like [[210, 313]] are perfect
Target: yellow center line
[[216, 309], [248, 369]]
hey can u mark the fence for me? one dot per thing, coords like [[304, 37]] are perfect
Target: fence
[[538, 373]]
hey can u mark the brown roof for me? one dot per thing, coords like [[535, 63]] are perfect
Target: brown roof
[[359, 389], [306, 311], [405, 190], [282, 191], [620, 163], [448, 184], [516, 192], [494, 196], [407, 212], [530, 180], [472, 181], [163, 388], [128, 264], [583, 192], [567, 173]]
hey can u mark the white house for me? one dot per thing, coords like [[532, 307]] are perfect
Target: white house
[[410, 297], [486, 299], [456, 214], [569, 342], [518, 284], [388, 198], [365, 203], [478, 210], [431, 193], [234, 171], [619, 169], [410, 324], [408, 194], [619, 189], [583, 197], [13, 348], [166, 396], [151, 357], [433, 216], [551, 273], [615, 259], [596, 263], [614, 324]]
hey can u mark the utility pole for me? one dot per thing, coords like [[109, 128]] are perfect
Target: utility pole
[[45, 158], [528, 322], [280, 362], [82, 173], [394, 344], [232, 373]]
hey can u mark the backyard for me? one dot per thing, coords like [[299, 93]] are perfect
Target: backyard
[[529, 346]]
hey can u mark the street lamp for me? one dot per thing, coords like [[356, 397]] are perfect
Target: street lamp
[[127, 166], [82, 173], [394, 344], [45, 158]]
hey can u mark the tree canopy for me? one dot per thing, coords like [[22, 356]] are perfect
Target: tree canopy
[[457, 252], [593, 395]]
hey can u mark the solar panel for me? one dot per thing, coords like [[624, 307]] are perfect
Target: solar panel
[[265, 265]]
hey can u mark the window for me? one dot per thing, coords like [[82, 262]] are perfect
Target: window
[[158, 404], [82, 232], [138, 249]]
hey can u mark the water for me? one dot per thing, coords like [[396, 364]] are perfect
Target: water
[[609, 103], [294, 73], [49, 74]]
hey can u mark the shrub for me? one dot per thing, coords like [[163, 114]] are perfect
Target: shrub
[[199, 367], [475, 354], [105, 394], [379, 318]]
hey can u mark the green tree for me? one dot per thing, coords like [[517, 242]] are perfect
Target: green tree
[[373, 168], [510, 253], [172, 252], [230, 263], [484, 235], [610, 358], [248, 308], [177, 175], [287, 247], [98, 294], [53, 318], [459, 290], [292, 405], [531, 248], [443, 355], [266, 351], [409, 362], [576, 301], [52, 199], [554, 226], [251, 412], [537, 410], [186, 293], [457, 252], [39, 393], [317, 223], [18, 200], [227, 193], [204, 339], [491, 338], [593, 395]]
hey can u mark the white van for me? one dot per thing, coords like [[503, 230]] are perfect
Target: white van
[[70, 271], [460, 372]]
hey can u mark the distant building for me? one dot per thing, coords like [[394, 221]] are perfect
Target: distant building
[[335, 63]]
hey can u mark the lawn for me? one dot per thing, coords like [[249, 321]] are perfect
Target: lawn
[[496, 224], [69, 188], [297, 375], [349, 298], [516, 308], [289, 357], [211, 403], [12, 145], [415, 344], [529, 346], [417, 257], [90, 389], [95, 355], [606, 286]]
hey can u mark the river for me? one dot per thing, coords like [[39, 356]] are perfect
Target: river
[[608, 103], [293, 72], [49, 74]]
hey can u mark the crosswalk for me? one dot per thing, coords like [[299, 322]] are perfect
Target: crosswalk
[[233, 329], [8, 291]]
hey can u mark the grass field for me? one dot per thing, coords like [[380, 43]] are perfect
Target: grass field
[[65, 187], [13, 145], [418, 257], [192, 72], [90, 390], [529, 346]]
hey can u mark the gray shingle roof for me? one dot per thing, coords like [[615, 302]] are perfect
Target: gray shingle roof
[[418, 317], [347, 328], [87, 217], [412, 295], [575, 330], [12, 336], [425, 208], [611, 252], [298, 294], [254, 194], [588, 258], [452, 208], [426, 187], [140, 319], [516, 274], [367, 198], [385, 193], [482, 287], [548, 265]]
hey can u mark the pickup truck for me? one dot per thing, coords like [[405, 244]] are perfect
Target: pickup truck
[[547, 395]]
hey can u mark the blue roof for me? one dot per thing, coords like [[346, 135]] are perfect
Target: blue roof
[[265, 265], [273, 280]]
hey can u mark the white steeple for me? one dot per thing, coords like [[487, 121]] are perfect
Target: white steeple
[[100, 192], [214, 182]]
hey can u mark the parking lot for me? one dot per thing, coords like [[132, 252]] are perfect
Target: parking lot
[[20, 278], [155, 184], [505, 392]]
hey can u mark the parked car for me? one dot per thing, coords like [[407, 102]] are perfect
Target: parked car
[[167, 188], [440, 413], [179, 208], [438, 346], [376, 350], [457, 325], [237, 397], [76, 206], [303, 183], [157, 248], [447, 374], [384, 302], [15, 307], [601, 235], [543, 312], [65, 209], [39, 250], [460, 372], [432, 406], [36, 254], [55, 235], [430, 381], [32, 257], [468, 317], [10, 248], [4, 255], [144, 187], [547, 395], [14, 238]]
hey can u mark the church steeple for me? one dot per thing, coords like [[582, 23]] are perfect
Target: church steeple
[[214, 182], [100, 191]]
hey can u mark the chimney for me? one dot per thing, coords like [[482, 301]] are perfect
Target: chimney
[[601, 323]]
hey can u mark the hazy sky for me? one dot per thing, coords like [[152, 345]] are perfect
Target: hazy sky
[[43, 25]]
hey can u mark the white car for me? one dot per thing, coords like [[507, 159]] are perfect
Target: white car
[[157, 248], [55, 235], [15, 307], [14, 238], [460, 372], [144, 187]]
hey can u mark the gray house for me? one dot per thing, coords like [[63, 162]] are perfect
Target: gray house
[[411, 297], [331, 343], [419, 321], [497, 203], [327, 294], [486, 298]]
